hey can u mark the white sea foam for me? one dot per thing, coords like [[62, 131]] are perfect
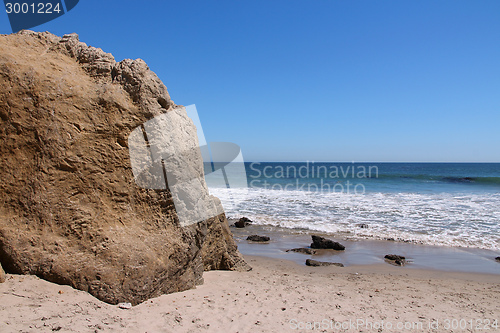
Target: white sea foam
[[467, 220]]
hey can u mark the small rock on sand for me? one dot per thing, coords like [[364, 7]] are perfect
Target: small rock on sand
[[257, 238], [125, 306], [497, 259], [315, 263], [304, 250]]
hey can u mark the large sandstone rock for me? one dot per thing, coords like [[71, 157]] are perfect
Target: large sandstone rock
[[70, 210]]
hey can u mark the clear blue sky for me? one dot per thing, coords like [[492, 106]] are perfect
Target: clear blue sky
[[321, 80]]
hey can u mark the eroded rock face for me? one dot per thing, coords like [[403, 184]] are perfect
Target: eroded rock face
[[70, 210]]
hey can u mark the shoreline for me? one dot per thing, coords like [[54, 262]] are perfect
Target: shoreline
[[277, 295], [366, 252]]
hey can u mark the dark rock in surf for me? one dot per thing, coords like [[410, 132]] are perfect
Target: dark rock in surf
[[257, 238], [304, 250], [243, 222], [324, 243], [362, 225], [497, 259], [395, 259], [315, 263]]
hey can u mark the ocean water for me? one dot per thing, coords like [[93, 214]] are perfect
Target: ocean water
[[450, 204]]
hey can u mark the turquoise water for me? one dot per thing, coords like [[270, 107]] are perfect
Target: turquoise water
[[452, 204]]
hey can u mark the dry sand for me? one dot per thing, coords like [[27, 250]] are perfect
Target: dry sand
[[276, 296]]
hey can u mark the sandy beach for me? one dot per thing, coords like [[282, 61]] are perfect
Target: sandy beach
[[276, 296]]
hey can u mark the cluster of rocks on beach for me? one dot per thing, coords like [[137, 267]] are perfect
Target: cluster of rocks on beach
[[318, 243]]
